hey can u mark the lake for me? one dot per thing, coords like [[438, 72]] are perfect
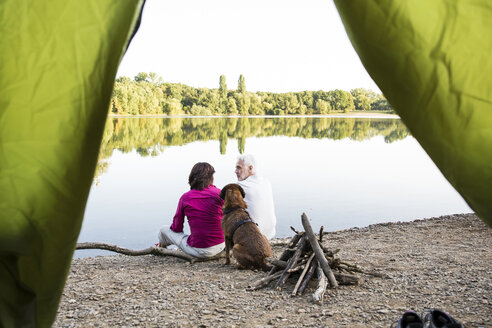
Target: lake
[[342, 172]]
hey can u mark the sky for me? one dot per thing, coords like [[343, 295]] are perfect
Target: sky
[[278, 45]]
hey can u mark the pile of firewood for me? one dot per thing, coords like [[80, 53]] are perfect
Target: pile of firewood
[[305, 257]]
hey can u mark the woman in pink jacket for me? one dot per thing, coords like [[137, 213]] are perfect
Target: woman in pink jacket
[[202, 206]]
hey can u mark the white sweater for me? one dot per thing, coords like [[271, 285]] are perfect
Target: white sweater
[[259, 199]]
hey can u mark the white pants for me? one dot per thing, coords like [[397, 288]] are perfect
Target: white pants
[[168, 237]]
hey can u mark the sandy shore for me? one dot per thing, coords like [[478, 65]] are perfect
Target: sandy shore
[[443, 262]]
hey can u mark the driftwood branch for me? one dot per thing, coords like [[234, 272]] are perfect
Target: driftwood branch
[[323, 262], [322, 283], [153, 250]]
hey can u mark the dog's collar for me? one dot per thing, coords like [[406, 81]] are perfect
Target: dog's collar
[[229, 210]]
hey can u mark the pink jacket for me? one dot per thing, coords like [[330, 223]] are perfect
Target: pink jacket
[[203, 208]]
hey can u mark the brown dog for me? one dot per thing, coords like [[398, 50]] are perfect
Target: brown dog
[[249, 246]]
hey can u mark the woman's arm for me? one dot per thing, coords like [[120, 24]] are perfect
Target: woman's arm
[[178, 219]]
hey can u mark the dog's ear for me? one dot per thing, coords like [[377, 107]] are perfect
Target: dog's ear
[[222, 193], [241, 190]]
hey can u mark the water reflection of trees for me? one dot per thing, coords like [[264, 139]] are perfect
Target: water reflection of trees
[[149, 136]]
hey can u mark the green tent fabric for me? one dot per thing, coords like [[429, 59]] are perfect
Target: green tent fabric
[[58, 61], [432, 61]]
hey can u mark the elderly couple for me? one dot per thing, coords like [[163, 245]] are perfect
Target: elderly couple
[[203, 208]]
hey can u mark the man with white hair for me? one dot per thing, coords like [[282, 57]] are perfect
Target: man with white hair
[[259, 196]]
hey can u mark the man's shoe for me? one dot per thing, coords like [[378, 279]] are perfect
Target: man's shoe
[[410, 319], [439, 319]]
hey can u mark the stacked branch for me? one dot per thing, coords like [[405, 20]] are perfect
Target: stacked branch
[[153, 250], [306, 258]]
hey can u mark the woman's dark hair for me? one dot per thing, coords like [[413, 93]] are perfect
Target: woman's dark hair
[[201, 176]]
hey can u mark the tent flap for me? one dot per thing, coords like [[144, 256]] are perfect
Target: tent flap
[[57, 66], [431, 60]]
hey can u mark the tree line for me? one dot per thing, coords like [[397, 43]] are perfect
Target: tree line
[[148, 94]]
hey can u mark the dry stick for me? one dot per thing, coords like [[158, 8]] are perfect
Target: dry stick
[[147, 251], [308, 277], [153, 250], [306, 268], [334, 263], [320, 291], [263, 282], [277, 263], [285, 255], [369, 273], [283, 264], [323, 263], [346, 279], [297, 268], [295, 231], [349, 265], [291, 263]]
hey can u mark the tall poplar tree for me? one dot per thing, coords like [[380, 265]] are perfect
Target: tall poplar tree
[[241, 84], [222, 87]]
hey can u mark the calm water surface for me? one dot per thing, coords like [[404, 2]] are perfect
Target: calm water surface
[[342, 172]]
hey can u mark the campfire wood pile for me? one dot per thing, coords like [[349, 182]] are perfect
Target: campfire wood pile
[[304, 258]]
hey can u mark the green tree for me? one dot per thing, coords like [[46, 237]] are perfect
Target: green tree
[[363, 98], [172, 107], [142, 76], [341, 100], [241, 84], [255, 107], [222, 87], [123, 79], [231, 106], [243, 103], [200, 110], [381, 104], [322, 107], [154, 78], [306, 98], [173, 91]]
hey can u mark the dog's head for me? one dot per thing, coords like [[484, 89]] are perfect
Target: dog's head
[[233, 196]]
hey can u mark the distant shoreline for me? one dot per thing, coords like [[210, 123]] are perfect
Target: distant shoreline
[[342, 115]]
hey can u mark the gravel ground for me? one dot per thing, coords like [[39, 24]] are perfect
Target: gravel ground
[[440, 262]]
